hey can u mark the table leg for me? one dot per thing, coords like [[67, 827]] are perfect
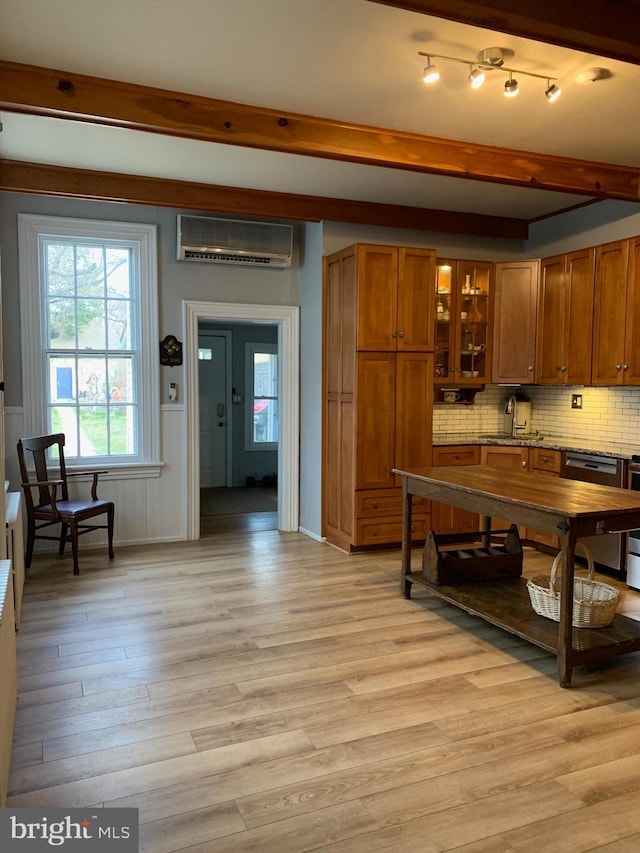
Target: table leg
[[486, 528], [565, 629], [405, 585]]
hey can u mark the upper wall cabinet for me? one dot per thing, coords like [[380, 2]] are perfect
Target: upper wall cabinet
[[463, 322], [514, 329], [395, 303], [565, 319], [616, 360]]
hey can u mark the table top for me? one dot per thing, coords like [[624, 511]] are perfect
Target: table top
[[566, 498]]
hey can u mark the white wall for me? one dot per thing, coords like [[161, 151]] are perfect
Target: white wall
[[310, 381], [144, 510]]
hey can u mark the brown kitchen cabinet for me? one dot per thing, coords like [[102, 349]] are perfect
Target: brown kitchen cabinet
[[514, 324], [463, 335], [511, 457], [547, 463], [394, 298], [616, 359], [444, 517], [565, 319], [378, 403]]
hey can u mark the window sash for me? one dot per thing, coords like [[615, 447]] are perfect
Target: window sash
[[142, 403]]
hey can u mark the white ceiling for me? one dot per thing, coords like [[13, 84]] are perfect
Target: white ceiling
[[349, 60]]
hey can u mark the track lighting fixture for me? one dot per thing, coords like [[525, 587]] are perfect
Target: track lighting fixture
[[431, 73], [511, 87], [553, 92], [486, 62], [476, 77]]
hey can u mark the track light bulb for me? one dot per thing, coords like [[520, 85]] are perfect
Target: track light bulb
[[476, 77], [553, 92], [431, 73], [511, 88]]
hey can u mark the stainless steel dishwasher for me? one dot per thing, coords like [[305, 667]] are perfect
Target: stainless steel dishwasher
[[609, 550]]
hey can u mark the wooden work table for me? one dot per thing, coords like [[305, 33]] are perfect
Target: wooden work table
[[568, 508]]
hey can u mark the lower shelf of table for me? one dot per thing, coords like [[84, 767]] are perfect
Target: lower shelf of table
[[506, 604]]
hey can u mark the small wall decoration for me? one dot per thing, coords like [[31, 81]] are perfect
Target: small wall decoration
[[171, 351]]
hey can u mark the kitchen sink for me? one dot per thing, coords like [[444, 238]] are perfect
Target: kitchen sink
[[503, 436]]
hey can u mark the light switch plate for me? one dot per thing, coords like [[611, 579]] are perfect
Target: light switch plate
[[576, 401]]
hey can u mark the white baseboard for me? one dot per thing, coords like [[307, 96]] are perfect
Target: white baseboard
[[311, 535]]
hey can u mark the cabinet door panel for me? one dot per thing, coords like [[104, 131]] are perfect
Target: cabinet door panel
[[414, 402], [416, 279], [511, 458], [444, 517], [610, 313], [514, 338], [632, 344], [376, 420], [377, 298], [550, 357], [579, 321]]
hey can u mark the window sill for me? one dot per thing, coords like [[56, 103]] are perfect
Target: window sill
[[123, 471]]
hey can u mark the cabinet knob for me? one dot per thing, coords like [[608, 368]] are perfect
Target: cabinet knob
[[401, 334], [375, 504], [523, 463], [456, 456], [564, 367], [394, 334], [530, 368], [558, 368], [618, 367], [625, 367]]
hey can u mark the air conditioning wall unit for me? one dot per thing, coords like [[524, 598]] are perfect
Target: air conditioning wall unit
[[210, 240]]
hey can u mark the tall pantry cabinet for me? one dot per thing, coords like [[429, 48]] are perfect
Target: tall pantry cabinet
[[378, 384]]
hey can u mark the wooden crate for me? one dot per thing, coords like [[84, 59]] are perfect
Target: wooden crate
[[469, 565]]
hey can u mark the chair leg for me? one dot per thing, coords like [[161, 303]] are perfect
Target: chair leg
[[63, 538], [110, 515], [31, 536], [74, 546]]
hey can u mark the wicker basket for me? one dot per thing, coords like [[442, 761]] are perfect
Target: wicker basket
[[594, 603]]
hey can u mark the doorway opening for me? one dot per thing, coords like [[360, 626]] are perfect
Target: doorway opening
[[286, 319], [238, 397]]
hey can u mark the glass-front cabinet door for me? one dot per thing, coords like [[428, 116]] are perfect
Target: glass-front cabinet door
[[473, 317], [463, 322], [445, 361]]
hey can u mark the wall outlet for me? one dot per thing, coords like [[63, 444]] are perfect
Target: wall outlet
[[576, 401]]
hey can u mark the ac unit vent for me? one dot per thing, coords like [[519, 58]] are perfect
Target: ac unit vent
[[234, 241]]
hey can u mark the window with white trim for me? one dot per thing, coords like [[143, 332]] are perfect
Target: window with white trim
[[89, 337], [261, 423]]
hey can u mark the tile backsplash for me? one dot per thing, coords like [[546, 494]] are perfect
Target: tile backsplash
[[607, 414]]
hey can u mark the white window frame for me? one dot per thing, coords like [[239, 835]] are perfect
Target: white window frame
[[30, 230], [250, 350]]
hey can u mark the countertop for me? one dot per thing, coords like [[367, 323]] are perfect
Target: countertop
[[550, 442]]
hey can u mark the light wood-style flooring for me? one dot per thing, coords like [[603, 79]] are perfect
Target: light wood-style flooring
[[264, 692]]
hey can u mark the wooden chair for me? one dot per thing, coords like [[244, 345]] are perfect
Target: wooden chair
[[51, 504]]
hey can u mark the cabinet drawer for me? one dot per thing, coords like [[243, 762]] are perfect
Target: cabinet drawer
[[381, 531], [545, 460], [464, 454], [375, 502]]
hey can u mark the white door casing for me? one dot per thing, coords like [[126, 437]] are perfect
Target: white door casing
[[287, 319]]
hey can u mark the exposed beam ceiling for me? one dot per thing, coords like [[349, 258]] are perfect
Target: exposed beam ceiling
[[48, 92], [604, 27], [102, 186]]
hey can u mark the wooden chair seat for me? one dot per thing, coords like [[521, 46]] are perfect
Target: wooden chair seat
[[52, 505]]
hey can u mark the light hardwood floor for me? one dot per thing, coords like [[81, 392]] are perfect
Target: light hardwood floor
[[264, 692]]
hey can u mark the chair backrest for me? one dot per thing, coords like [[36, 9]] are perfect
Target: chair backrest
[[39, 447]]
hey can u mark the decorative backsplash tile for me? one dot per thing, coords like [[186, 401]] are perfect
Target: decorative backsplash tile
[[607, 414]]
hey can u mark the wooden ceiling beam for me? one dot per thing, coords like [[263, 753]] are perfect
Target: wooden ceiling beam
[[48, 92], [599, 27], [16, 176]]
